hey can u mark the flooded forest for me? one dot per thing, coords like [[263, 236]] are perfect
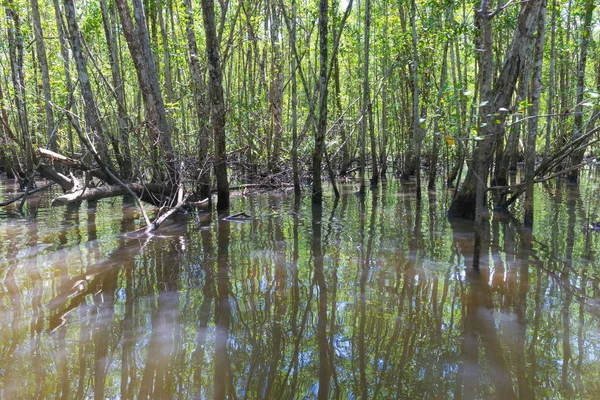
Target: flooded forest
[[299, 199]]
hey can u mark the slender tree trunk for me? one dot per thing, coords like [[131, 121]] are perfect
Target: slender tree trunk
[[201, 106], [215, 90], [12, 165], [64, 51], [294, 104], [415, 158], [123, 148], [276, 88], [460, 149], [317, 191], [536, 88], [366, 92], [465, 203], [138, 42], [586, 34], [166, 53], [551, 79], [43, 61], [436, 134], [384, 102], [15, 50], [90, 108], [367, 96]]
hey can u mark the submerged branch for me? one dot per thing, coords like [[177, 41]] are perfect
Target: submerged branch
[[25, 194]]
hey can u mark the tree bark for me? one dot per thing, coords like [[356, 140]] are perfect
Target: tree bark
[[15, 50], [138, 42], [317, 156], [586, 34], [123, 150], [90, 107], [215, 90], [276, 88], [465, 203], [295, 173], [43, 61], [201, 106], [536, 88], [366, 99]]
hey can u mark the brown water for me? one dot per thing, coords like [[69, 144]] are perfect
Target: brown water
[[360, 299]]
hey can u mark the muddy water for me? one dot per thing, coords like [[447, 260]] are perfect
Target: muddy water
[[372, 298]]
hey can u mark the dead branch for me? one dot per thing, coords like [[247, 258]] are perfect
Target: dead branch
[[104, 192]]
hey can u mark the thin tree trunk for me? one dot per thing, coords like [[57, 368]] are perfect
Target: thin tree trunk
[[215, 90], [90, 108], [317, 191], [465, 203], [166, 53], [201, 105], [138, 42], [536, 88], [366, 98], [276, 88], [586, 34], [64, 51], [15, 49], [551, 78], [436, 134], [415, 158], [124, 150], [43, 61], [294, 104]]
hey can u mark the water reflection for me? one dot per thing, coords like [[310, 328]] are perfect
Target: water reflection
[[368, 297]]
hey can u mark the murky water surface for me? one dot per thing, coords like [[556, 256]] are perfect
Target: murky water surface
[[360, 299]]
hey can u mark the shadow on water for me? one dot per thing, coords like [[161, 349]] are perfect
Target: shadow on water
[[365, 297]]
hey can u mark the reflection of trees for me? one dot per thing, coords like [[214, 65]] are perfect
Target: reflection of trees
[[223, 378], [317, 251], [319, 303]]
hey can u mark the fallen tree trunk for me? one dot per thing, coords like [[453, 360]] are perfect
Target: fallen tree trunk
[[152, 193], [49, 173]]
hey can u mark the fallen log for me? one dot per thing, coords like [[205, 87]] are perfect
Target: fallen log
[[49, 173], [150, 192]]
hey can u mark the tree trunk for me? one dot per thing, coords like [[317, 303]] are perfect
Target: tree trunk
[[15, 49], [367, 97], [138, 42], [317, 191], [201, 105], [41, 51], [586, 34], [90, 108], [296, 177], [123, 150], [436, 134], [551, 79], [465, 204], [536, 88], [366, 100], [276, 89], [414, 163], [64, 51], [215, 90]]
